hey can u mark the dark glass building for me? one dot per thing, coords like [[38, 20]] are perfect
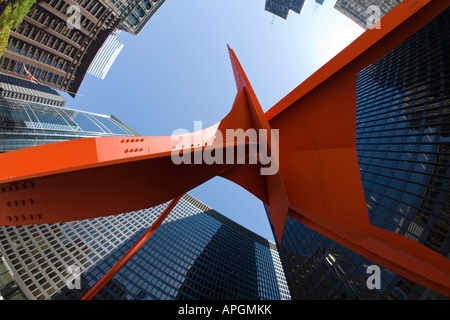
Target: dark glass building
[[283, 8], [403, 145], [195, 254]]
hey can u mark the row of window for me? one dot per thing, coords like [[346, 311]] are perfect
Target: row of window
[[39, 35], [47, 20], [38, 255], [317, 268], [37, 54], [41, 75], [138, 12], [95, 8], [404, 107], [406, 100], [21, 96]]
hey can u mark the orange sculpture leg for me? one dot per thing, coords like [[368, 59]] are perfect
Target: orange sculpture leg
[[311, 135], [113, 271]]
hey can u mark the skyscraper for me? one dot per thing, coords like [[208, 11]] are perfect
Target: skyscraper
[[56, 52], [135, 13], [362, 12], [106, 56], [21, 89], [403, 152], [283, 8], [29, 116]]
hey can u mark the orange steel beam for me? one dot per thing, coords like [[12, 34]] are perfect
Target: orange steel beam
[[93, 177], [142, 240], [318, 181]]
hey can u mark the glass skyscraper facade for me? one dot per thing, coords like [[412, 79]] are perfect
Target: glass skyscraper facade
[[195, 254], [403, 144], [106, 56], [135, 13], [26, 124]]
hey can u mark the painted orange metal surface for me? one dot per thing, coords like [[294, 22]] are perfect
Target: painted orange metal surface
[[318, 182]]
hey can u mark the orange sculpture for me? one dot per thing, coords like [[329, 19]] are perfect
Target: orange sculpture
[[311, 135]]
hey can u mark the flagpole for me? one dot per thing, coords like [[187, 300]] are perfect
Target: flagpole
[[34, 80]]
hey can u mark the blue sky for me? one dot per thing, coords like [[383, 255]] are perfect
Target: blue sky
[[177, 71]]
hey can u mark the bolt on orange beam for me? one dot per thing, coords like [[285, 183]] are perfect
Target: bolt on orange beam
[[116, 268]]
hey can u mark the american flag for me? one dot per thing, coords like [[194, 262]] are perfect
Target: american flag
[[32, 79]]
